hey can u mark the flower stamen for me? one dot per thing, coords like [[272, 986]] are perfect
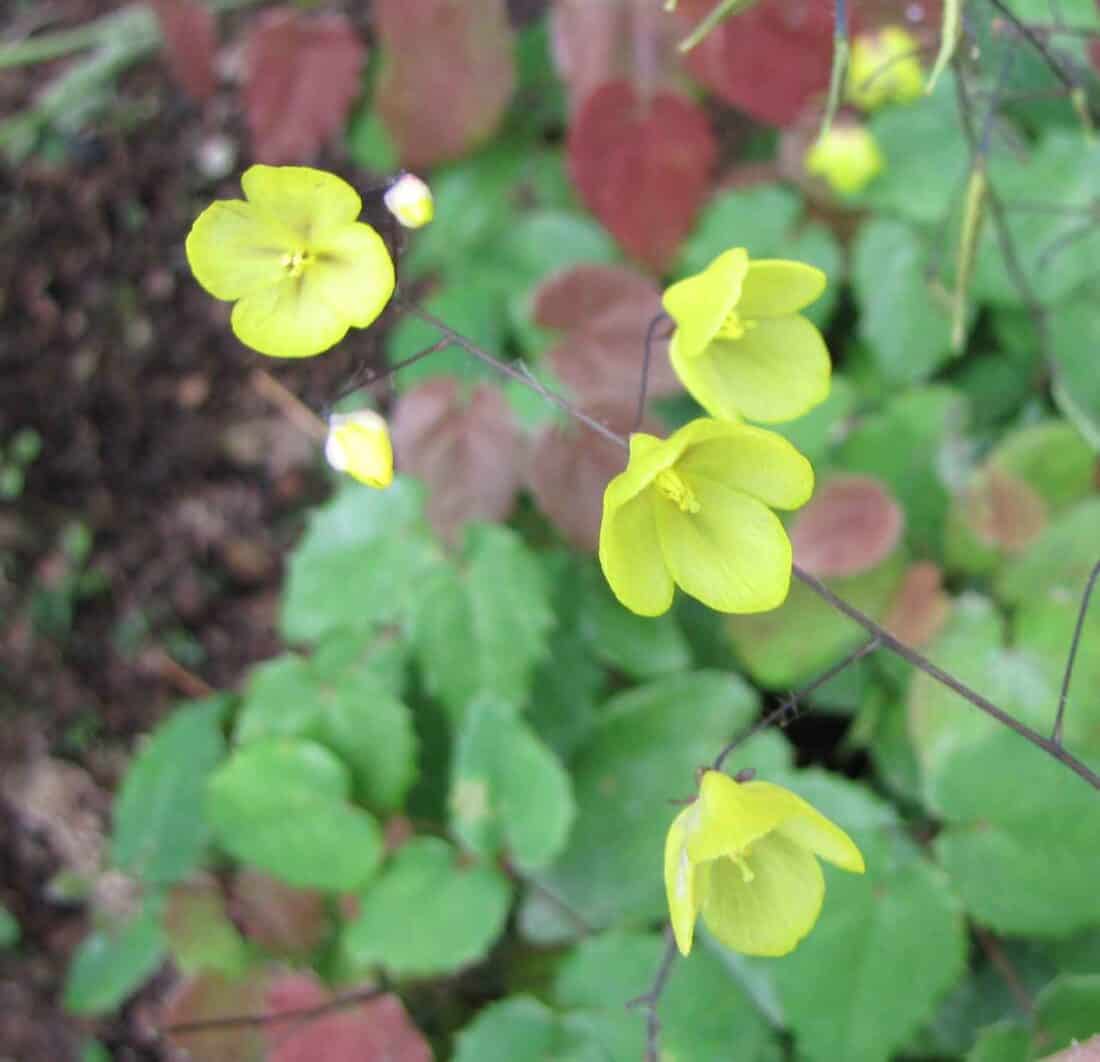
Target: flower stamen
[[672, 486], [295, 263], [733, 327]]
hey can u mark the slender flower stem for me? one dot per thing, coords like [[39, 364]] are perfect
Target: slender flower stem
[[1078, 630]]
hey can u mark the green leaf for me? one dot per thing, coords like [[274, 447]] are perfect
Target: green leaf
[[346, 708], [1003, 1042], [1020, 839], [765, 220], [1051, 457], [888, 945], [159, 831], [111, 964], [361, 563], [814, 433], [427, 913], [907, 445], [519, 1029], [702, 1011], [9, 929], [909, 332], [642, 753], [482, 629], [369, 143], [508, 791], [198, 930], [1074, 340], [1068, 1011], [281, 804], [1059, 562]]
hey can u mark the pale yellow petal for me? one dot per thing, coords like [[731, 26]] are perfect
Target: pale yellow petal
[[729, 820], [287, 320], [353, 273], [310, 202], [630, 554], [681, 884], [774, 287], [233, 249], [701, 303]]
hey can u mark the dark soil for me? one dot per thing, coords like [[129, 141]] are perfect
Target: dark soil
[[160, 451]]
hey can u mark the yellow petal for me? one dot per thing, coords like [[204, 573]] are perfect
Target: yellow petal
[[288, 320], [701, 303], [309, 201], [806, 826], [684, 886], [630, 554], [353, 273], [732, 553], [726, 822], [776, 288], [772, 912], [778, 370], [233, 249], [753, 460], [359, 444]]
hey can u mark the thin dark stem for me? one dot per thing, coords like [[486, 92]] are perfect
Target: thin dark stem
[[1037, 42], [647, 357], [649, 1001], [1078, 630], [552, 898], [922, 663], [238, 1021], [788, 711], [1003, 965]]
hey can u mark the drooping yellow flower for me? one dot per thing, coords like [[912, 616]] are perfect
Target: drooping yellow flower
[[410, 200], [359, 444], [693, 511], [744, 855], [741, 348], [292, 256], [847, 157], [884, 67]]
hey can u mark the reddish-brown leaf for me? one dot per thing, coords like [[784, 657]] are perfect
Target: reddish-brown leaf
[[605, 312], [920, 607], [284, 920], [190, 43], [377, 1030], [572, 465], [642, 168], [1004, 511], [466, 449], [447, 77], [851, 525], [770, 60], [302, 74], [209, 996]]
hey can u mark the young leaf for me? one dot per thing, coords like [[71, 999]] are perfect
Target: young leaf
[[302, 75], [447, 74], [642, 167], [209, 996], [190, 42], [281, 919]]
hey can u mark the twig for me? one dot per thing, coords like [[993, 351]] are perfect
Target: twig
[[1078, 630], [187, 682], [1003, 965], [643, 386], [238, 1021], [290, 405], [649, 1001], [1036, 41]]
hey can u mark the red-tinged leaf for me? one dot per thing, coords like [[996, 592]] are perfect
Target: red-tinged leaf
[[210, 996], [571, 467], [770, 60], [302, 74], [200, 935], [1004, 511], [190, 43], [920, 607], [605, 312], [851, 525], [613, 40], [376, 1030], [447, 76], [466, 449], [282, 919], [642, 168]]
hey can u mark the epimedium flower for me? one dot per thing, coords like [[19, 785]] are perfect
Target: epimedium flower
[[745, 857], [295, 260], [884, 67], [847, 157], [695, 511], [410, 200], [741, 348], [359, 444]]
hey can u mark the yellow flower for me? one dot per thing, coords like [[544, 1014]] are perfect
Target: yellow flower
[[409, 200], [741, 348], [693, 511], [884, 68], [847, 157], [292, 256], [745, 857], [359, 444]]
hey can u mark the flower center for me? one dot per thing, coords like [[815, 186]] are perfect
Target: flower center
[[733, 327], [672, 486], [295, 262]]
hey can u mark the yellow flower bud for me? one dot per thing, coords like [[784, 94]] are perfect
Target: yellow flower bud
[[847, 156], [409, 200], [884, 67], [359, 444]]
